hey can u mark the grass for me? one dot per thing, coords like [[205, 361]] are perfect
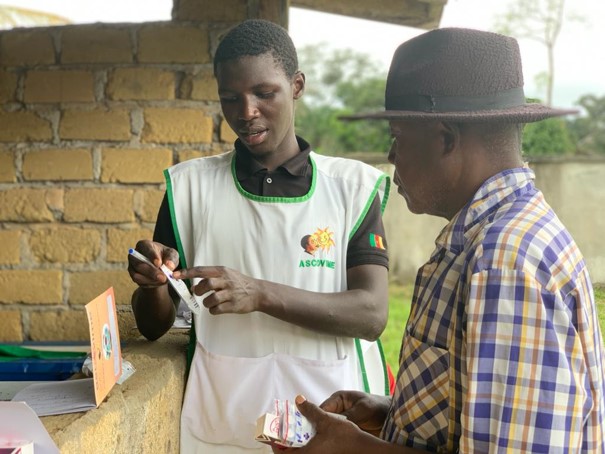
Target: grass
[[599, 295], [400, 297], [400, 300]]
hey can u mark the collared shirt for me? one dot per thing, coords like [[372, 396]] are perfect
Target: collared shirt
[[292, 179], [502, 351]]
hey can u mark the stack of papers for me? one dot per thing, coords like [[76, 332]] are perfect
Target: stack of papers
[[75, 395], [58, 397]]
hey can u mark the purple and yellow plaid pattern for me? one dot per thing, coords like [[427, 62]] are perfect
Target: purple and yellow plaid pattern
[[502, 351]]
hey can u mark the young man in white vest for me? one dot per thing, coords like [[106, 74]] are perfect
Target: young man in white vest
[[290, 244]]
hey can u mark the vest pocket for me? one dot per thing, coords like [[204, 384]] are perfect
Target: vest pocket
[[225, 395]]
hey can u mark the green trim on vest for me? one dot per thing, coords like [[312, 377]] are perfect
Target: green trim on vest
[[370, 200], [183, 263], [260, 198], [387, 189], [177, 236], [362, 366], [190, 350], [387, 388]]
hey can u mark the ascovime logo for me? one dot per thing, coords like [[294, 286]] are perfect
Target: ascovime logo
[[320, 240]]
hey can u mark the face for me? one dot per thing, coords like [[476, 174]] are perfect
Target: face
[[311, 246], [257, 99], [421, 166]]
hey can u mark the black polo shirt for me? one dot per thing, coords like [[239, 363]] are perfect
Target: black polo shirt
[[291, 179]]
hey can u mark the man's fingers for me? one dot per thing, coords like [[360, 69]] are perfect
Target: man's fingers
[[198, 271], [157, 253], [144, 274], [333, 404], [310, 411], [148, 249], [151, 278], [170, 258]]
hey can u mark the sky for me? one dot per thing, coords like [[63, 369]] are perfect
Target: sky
[[579, 64]]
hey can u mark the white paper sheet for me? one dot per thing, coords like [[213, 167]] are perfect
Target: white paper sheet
[[56, 398], [18, 421], [8, 389]]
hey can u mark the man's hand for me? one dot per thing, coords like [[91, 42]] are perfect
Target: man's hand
[[367, 411], [144, 274], [153, 305], [233, 292], [339, 436], [333, 435]]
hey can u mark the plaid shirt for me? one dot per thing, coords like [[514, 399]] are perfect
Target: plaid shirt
[[502, 351]]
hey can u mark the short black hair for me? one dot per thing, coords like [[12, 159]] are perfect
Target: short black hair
[[304, 241], [256, 37]]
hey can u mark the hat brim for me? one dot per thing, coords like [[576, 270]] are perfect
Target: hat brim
[[526, 113]]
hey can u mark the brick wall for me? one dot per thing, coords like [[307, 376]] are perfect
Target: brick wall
[[89, 117]]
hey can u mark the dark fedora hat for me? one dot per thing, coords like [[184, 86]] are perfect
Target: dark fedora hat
[[459, 74]]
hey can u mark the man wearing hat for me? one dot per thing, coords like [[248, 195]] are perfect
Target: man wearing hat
[[502, 351]]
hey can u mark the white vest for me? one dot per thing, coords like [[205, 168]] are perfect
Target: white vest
[[243, 362]]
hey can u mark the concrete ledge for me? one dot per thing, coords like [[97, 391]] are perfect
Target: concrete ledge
[[142, 415]]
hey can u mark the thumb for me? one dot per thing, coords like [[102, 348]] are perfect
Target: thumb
[[310, 411]]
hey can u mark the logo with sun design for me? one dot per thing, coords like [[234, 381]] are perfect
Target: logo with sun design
[[321, 239]]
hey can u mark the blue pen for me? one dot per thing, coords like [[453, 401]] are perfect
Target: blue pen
[[136, 254]]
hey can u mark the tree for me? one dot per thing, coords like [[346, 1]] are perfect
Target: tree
[[589, 129], [540, 20], [547, 137], [341, 82]]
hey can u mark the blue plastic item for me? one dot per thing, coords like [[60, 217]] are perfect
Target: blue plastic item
[[39, 362], [28, 369]]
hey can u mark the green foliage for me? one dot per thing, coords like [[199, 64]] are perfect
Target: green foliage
[[588, 130], [547, 137], [599, 296], [341, 82], [400, 301], [325, 69]]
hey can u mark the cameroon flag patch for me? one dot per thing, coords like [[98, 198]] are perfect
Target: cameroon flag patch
[[376, 241]]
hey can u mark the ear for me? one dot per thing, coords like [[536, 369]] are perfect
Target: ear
[[450, 133], [298, 84]]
